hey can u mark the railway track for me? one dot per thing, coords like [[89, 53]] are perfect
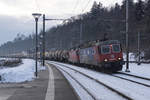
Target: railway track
[[133, 78], [134, 81], [84, 88], [91, 78]]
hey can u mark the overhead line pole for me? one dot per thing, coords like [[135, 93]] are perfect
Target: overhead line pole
[[139, 49], [81, 25], [43, 40], [127, 38]]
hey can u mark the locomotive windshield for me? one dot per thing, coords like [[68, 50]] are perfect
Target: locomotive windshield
[[116, 48], [105, 49]]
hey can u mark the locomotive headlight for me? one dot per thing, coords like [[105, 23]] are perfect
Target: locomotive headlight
[[119, 58], [105, 60]]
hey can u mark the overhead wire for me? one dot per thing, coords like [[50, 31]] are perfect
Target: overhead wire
[[86, 6], [37, 6], [76, 5]]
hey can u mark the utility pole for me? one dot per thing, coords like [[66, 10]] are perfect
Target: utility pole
[[81, 25], [139, 48], [43, 40], [127, 38]]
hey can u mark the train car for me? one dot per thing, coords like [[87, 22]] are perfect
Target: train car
[[87, 56], [55, 55], [47, 55], [58, 55], [105, 56], [74, 56], [65, 55]]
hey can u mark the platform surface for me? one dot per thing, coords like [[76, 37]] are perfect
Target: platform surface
[[50, 85]]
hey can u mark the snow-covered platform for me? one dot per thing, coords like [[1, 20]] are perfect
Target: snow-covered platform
[[50, 85]]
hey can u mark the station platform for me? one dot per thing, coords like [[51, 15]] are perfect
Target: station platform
[[50, 85]]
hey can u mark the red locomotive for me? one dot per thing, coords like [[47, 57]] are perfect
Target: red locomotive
[[106, 56], [74, 57]]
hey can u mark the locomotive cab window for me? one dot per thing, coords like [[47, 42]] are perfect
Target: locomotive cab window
[[116, 48], [105, 49]]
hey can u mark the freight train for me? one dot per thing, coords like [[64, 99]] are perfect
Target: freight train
[[99, 55]]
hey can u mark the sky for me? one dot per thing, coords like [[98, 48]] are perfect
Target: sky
[[16, 15]]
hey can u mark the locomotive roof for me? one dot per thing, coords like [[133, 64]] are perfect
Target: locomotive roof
[[92, 43], [108, 42]]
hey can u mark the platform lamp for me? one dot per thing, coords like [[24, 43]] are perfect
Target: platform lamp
[[36, 16]]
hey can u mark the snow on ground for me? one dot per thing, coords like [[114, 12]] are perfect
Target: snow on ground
[[147, 82], [140, 70], [135, 91], [100, 92], [131, 57], [134, 57], [21, 73], [79, 90]]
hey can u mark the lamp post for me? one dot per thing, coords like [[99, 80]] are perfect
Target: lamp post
[[36, 16]]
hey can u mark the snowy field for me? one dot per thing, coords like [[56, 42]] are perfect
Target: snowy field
[[133, 57], [140, 70], [21, 73]]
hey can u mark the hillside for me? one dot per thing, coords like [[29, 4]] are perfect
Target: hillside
[[99, 23]]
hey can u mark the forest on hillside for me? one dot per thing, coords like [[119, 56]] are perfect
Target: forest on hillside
[[99, 23]]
